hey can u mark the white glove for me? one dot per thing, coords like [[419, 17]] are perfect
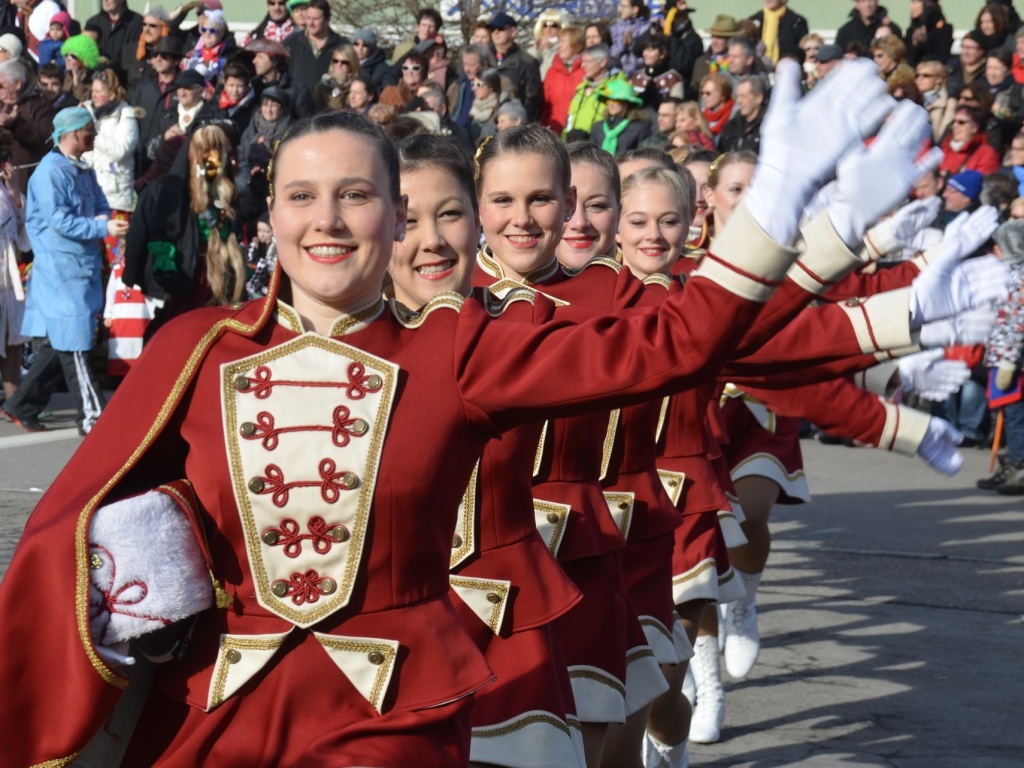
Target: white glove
[[931, 376], [913, 217], [939, 447], [971, 327], [802, 139], [871, 180], [146, 568], [900, 230], [946, 287]]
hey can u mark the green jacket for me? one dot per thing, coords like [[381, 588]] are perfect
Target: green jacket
[[585, 109]]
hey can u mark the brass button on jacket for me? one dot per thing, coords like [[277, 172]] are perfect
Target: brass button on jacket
[[375, 657], [233, 656]]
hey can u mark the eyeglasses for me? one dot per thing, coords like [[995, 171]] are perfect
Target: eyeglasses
[[552, 24], [346, 62], [150, 25], [411, 68], [208, 30]]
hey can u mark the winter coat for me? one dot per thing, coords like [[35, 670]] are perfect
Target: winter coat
[[938, 41], [586, 109], [375, 69], [118, 40], [113, 154], [305, 66], [65, 292], [629, 139], [792, 28], [31, 130], [559, 88], [629, 61], [978, 155], [522, 69], [856, 29]]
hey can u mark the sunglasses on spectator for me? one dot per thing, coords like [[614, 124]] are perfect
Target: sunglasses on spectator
[[346, 62], [552, 24], [411, 67], [208, 30]]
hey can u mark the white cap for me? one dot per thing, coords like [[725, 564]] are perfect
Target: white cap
[[11, 44]]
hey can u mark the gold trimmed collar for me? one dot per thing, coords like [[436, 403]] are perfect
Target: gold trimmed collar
[[411, 318], [658, 279], [486, 261], [346, 323]]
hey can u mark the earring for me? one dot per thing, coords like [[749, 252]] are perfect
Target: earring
[[401, 237], [568, 218]]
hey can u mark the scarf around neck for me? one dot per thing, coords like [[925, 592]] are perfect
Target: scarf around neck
[[717, 118], [483, 109], [611, 134], [770, 31]]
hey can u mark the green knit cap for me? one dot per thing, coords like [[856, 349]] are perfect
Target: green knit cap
[[83, 48]]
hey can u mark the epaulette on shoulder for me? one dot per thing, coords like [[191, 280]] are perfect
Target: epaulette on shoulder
[[658, 279], [604, 261], [496, 302], [414, 319], [507, 285]]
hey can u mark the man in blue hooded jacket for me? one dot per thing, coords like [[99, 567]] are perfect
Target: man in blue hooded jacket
[[66, 216]]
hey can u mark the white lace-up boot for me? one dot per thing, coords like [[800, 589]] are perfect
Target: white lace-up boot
[[689, 687], [709, 712], [742, 640]]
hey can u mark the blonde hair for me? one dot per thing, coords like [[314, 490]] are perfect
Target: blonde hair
[[692, 109], [108, 77], [664, 177], [209, 157]]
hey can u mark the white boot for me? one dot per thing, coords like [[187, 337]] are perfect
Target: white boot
[[689, 687], [722, 628], [659, 755], [742, 640], [709, 713]]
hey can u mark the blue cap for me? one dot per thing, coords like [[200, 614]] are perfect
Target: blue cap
[[70, 119], [501, 20], [967, 183]]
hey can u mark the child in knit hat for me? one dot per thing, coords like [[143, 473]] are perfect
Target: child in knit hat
[[60, 30]]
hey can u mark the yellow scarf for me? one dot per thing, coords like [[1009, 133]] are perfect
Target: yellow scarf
[[770, 32]]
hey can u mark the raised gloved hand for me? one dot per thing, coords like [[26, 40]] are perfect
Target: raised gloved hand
[[939, 447], [1006, 373], [948, 286], [871, 180], [802, 139], [971, 327], [932, 376], [899, 230]]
